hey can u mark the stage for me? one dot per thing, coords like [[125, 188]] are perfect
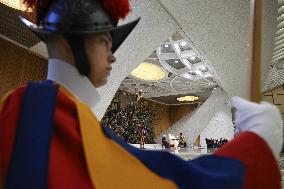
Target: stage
[[184, 153]]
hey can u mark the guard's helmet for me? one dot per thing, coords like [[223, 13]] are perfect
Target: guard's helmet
[[75, 18]]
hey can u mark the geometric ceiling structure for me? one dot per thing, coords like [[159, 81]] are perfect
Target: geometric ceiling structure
[[186, 72], [218, 30]]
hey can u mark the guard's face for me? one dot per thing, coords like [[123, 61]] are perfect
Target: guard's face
[[98, 49]]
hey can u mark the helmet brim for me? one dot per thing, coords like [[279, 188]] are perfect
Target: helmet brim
[[119, 33]]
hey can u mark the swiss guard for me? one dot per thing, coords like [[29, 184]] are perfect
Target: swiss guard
[[50, 138]]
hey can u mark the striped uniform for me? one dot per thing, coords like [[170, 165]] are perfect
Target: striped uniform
[[48, 139]]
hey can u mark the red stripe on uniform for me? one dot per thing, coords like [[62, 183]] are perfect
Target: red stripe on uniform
[[261, 168]]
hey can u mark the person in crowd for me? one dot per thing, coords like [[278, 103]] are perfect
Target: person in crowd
[[207, 142], [142, 136], [50, 138], [215, 143], [182, 142]]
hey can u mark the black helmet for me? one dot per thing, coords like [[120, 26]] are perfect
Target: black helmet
[[74, 18], [81, 17]]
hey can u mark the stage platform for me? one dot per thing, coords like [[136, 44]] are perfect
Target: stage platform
[[184, 153]]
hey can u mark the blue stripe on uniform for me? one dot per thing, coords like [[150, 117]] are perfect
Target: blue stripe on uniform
[[28, 168]]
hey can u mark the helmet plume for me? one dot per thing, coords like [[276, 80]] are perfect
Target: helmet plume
[[117, 9]]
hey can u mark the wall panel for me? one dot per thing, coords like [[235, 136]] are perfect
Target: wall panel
[[18, 66]]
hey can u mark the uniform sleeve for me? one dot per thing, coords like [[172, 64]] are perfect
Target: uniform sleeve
[[261, 168]]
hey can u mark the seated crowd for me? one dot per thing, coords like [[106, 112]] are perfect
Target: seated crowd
[[215, 143]]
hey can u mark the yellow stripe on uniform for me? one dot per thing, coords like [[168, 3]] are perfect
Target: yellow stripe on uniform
[[110, 165]]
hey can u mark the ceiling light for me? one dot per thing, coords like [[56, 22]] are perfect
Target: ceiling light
[[187, 98], [15, 4], [193, 57], [183, 43], [148, 72], [204, 69]]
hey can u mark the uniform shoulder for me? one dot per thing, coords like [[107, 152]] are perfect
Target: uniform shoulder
[[12, 97]]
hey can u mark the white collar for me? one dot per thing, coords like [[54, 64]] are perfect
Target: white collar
[[68, 76]]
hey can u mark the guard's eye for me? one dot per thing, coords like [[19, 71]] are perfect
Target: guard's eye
[[107, 42]]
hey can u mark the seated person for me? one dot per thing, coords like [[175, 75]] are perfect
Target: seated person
[[165, 143]]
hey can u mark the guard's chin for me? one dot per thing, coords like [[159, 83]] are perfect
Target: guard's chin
[[100, 84]]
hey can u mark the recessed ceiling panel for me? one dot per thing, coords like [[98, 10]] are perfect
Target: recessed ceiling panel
[[167, 48], [175, 63], [194, 60]]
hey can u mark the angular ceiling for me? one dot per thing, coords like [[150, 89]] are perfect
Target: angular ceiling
[[187, 73], [218, 28]]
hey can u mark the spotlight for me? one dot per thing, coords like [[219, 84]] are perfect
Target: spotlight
[[204, 69], [183, 43], [193, 57]]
